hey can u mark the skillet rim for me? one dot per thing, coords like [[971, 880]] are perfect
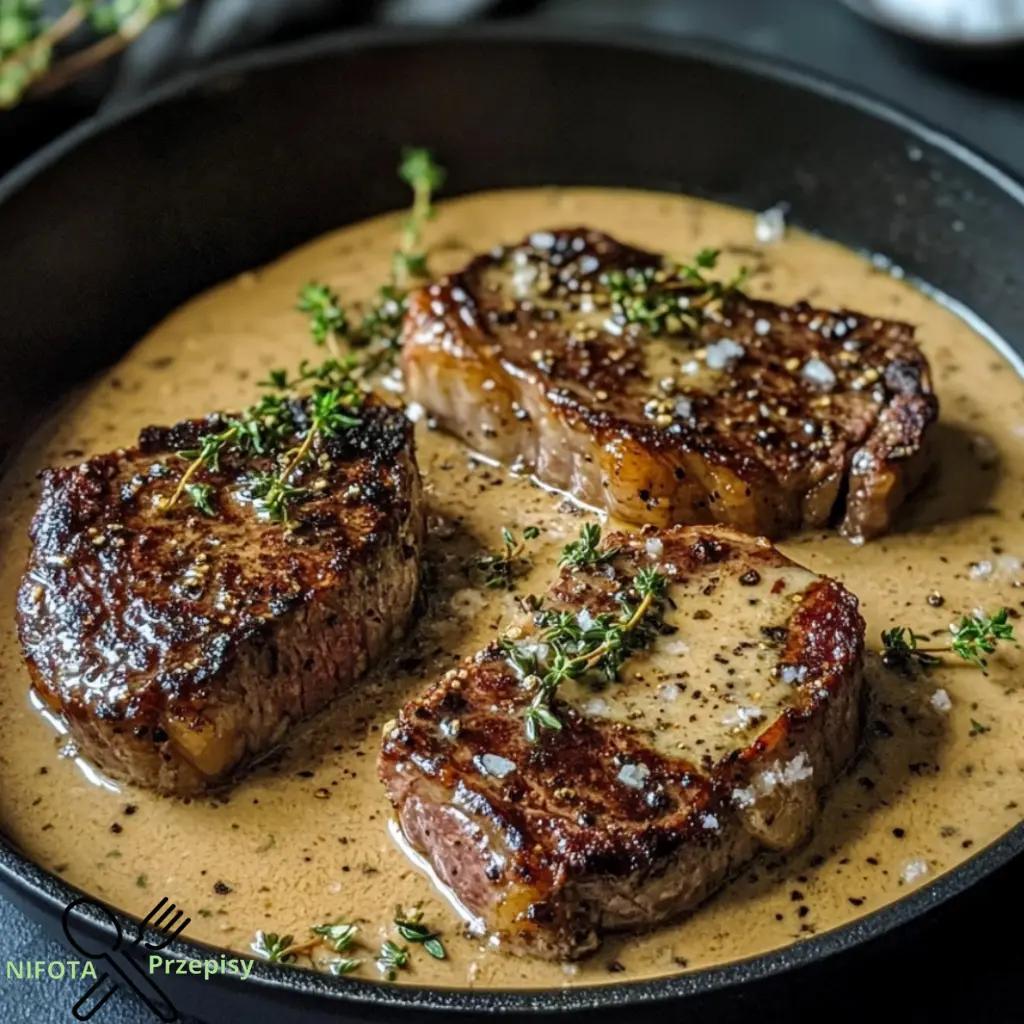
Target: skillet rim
[[48, 895]]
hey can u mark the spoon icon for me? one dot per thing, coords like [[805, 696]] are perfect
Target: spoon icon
[[117, 962]]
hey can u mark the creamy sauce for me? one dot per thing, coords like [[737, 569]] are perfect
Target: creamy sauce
[[305, 839]]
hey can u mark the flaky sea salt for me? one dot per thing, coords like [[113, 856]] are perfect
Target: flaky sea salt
[[496, 765], [914, 870], [770, 224], [743, 797], [785, 774], [633, 775], [654, 546], [940, 701], [792, 673], [723, 353], [818, 372], [742, 717]]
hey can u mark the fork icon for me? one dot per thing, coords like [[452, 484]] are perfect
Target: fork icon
[[164, 919]]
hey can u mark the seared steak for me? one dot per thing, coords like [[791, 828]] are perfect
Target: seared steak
[[769, 419], [180, 646], [718, 741]]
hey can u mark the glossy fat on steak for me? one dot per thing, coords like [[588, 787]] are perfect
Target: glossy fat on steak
[[718, 741], [773, 419], [181, 646]]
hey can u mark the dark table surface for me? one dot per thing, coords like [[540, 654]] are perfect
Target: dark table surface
[[964, 964]]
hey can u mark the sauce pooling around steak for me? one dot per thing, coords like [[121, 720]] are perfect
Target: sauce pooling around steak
[[305, 841]]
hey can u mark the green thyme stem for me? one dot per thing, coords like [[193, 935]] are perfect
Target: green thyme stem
[[588, 661], [194, 466]]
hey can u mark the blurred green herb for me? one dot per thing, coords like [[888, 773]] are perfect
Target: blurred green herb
[[498, 569], [29, 41]]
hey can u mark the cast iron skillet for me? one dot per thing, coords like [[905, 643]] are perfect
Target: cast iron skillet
[[120, 221]]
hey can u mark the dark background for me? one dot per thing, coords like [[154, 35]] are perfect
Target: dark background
[[962, 963]]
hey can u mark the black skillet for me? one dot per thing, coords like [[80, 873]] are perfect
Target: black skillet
[[120, 221]]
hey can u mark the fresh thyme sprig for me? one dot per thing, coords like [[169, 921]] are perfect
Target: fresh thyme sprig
[[380, 328], [421, 172], [338, 937], [499, 569], [410, 926], [331, 414], [672, 300], [273, 947], [283, 424], [266, 427], [586, 550], [256, 431], [900, 650], [578, 645], [328, 321], [28, 43], [972, 639], [391, 959]]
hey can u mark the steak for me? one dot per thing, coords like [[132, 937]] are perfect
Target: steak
[[717, 743], [763, 417], [181, 646]]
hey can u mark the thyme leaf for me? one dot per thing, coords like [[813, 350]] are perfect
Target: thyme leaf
[[201, 496], [900, 650], [411, 928], [273, 947], [972, 639], [338, 936], [578, 645], [498, 569], [391, 959], [669, 299], [344, 965], [586, 551]]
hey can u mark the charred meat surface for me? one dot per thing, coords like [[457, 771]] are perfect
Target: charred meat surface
[[559, 356], [179, 645], [718, 741]]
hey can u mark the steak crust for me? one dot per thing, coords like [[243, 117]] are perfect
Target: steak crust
[[178, 646], [605, 824], [773, 419]]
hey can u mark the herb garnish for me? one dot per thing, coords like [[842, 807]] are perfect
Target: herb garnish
[[344, 965], [499, 568], [674, 300], [900, 650], [273, 947], [331, 415], [391, 958], [284, 425], [28, 42], [264, 428], [586, 551], [380, 327], [972, 639], [338, 936], [411, 927], [977, 728], [283, 949], [578, 645], [424, 176], [201, 496]]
